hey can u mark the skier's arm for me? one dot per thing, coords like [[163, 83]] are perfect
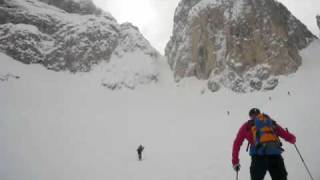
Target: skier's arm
[[238, 143], [285, 134]]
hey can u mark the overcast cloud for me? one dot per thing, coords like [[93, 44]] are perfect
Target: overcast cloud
[[155, 17]]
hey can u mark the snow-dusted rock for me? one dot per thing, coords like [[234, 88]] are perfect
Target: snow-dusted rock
[[240, 44], [134, 61], [271, 84], [213, 86], [36, 32], [74, 35], [62, 35], [24, 42], [75, 6], [132, 40], [78, 46], [46, 18]]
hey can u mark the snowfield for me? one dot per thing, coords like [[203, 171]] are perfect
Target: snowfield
[[63, 126]]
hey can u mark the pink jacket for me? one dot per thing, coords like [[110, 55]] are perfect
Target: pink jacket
[[245, 133]]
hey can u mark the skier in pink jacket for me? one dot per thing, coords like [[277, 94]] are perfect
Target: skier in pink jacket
[[266, 156]]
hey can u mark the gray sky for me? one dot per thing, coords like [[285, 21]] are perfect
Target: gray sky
[[155, 17]]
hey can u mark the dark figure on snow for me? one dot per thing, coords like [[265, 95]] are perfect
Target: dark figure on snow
[[139, 150], [262, 134]]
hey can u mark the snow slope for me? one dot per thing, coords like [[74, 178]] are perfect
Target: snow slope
[[62, 126]]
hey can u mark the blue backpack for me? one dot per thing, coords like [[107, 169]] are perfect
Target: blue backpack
[[266, 140]]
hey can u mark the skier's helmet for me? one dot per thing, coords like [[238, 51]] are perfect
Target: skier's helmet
[[254, 112]]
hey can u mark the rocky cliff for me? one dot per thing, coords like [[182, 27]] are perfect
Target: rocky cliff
[[75, 6], [239, 44], [68, 35]]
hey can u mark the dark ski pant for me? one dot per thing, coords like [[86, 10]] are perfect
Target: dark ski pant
[[140, 155], [272, 163]]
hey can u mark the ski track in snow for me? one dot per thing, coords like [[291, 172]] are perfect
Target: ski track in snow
[[59, 126]]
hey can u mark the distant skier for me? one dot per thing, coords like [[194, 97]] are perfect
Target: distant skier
[[262, 134], [139, 150]]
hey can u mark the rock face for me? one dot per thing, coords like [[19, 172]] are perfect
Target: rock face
[[132, 40], [134, 62], [75, 6], [239, 44], [62, 34]]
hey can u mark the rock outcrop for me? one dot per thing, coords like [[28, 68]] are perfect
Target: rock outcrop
[[239, 44], [75, 6], [68, 35], [132, 40]]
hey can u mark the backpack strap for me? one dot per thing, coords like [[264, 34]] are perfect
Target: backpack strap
[[274, 129], [251, 124]]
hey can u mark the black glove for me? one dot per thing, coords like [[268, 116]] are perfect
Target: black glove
[[236, 167]]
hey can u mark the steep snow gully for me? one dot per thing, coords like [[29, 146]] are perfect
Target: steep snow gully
[[59, 125], [56, 125]]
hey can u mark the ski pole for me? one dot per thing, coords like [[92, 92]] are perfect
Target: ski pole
[[237, 177], [304, 163]]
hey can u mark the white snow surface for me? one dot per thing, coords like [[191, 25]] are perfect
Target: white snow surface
[[63, 126], [129, 71]]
